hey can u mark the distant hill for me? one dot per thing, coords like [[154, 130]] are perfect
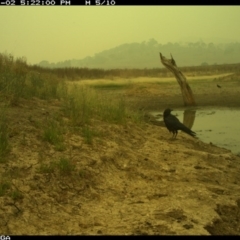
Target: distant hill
[[146, 55]]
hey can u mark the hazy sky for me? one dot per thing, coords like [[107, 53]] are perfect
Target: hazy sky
[[74, 32]]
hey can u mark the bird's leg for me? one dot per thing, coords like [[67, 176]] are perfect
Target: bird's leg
[[176, 134], [173, 136]]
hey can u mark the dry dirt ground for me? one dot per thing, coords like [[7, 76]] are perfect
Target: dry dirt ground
[[132, 180]]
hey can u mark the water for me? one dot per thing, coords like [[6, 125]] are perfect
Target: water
[[221, 126]]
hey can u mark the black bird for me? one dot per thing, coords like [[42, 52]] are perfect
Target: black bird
[[218, 86], [173, 124]]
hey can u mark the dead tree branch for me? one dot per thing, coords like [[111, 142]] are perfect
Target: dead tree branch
[[170, 64]]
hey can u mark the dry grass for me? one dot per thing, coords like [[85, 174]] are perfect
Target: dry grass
[[120, 83]]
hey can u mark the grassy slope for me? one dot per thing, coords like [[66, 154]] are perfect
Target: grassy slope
[[69, 152]]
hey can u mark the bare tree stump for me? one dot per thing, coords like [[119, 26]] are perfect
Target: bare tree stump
[[187, 94]]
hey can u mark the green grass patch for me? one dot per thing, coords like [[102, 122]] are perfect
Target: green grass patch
[[53, 133], [4, 186], [47, 168], [4, 139], [109, 86], [79, 105], [113, 110], [89, 133], [64, 166], [84, 103], [18, 80], [16, 195]]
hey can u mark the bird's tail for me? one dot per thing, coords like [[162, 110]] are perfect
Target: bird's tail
[[188, 131]]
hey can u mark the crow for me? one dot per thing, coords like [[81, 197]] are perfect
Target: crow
[[173, 124]]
